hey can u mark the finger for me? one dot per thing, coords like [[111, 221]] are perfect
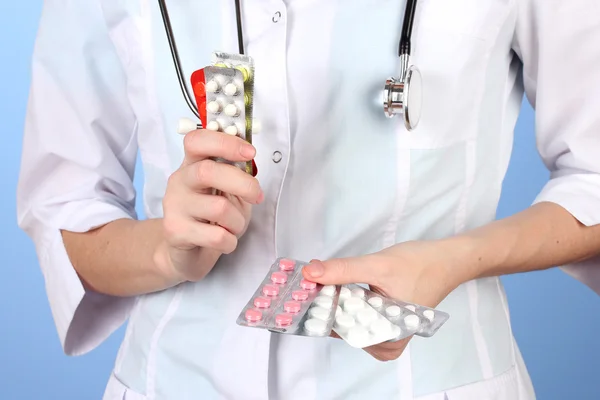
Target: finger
[[217, 209], [340, 271], [334, 335], [227, 178], [188, 234], [202, 144]]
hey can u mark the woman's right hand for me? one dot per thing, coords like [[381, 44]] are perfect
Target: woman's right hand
[[199, 226]]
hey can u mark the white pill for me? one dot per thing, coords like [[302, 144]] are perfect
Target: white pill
[[230, 89], [324, 301], [366, 316], [344, 293], [344, 322], [376, 301], [232, 110], [358, 292], [315, 326], [328, 290], [412, 321], [358, 334], [353, 304], [339, 311], [212, 87], [429, 314], [392, 311], [213, 107], [381, 327], [319, 313], [213, 126], [411, 307], [231, 130]]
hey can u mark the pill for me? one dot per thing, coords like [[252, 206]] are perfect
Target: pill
[[376, 301], [393, 311], [221, 65], [339, 311], [353, 304], [286, 265], [253, 315], [412, 321], [381, 327], [315, 326], [262, 302], [213, 107], [429, 314], [245, 72], [279, 277], [358, 334], [283, 319], [411, 308], [213, 126], [231, 130], [324, 301], [231, 110], [270, 290], [328, 290], [212, 86], [299, 295], [366, 316], [344, 322], [319, 313], [307, 285], [247, 99], [344, 293], [230, 89], [292, 307], [358, 292]]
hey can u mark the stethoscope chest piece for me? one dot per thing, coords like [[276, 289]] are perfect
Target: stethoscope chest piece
[[404, 96]]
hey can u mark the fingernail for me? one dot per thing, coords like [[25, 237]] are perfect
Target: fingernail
[[247, 151], [315, 270]]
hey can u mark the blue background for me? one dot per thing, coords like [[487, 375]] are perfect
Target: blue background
[[563, 359]]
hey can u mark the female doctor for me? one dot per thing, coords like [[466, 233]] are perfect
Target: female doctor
[[408, 212]]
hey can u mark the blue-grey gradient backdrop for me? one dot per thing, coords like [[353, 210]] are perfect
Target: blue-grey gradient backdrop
[[563, 358]]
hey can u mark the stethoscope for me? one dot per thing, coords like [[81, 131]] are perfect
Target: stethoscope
[[401, 95]]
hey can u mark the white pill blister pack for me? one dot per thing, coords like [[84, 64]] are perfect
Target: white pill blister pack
[[431, 319], [287, 303]]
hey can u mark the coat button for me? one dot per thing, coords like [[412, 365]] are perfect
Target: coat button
[[277, 157], [276, 17]]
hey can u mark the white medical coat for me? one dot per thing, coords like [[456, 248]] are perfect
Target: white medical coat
[[349, 180]]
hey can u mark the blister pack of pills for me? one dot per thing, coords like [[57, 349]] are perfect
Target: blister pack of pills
[[287, 303], [224, 95], [431, 319]]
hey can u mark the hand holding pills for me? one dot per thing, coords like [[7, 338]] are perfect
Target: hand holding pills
[[198, 226]]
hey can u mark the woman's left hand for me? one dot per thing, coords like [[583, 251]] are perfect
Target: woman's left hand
[[420, 272]]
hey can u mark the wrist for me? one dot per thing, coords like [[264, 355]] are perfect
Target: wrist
[[461, 259], [163, 265]]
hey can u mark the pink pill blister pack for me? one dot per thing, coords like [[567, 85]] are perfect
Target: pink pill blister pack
[[287, 303]]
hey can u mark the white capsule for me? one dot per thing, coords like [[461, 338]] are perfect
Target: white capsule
[[392, 311], [344, 322], [429, 314], [319, 313], [230, 89], [231, 130], [376, 301], [411, 308], [212, 87], [328, 290], [324, 301], [213, 126], [366, 316], [352, 305], [315, 326], [381, 327], [231, 110], [213, 107], [345, 293], [358, 292], [412, 321]]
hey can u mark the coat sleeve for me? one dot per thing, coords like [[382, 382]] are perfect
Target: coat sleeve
[[557, 42], [78, 161]]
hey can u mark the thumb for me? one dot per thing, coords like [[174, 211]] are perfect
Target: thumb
[[337, 271]]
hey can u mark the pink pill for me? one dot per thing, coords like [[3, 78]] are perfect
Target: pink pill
[[253, 315], [279, 277], [262, 302], [270, 290], [286, 265], [307, 285], [292, 307], [283, 319], [299, 295]]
